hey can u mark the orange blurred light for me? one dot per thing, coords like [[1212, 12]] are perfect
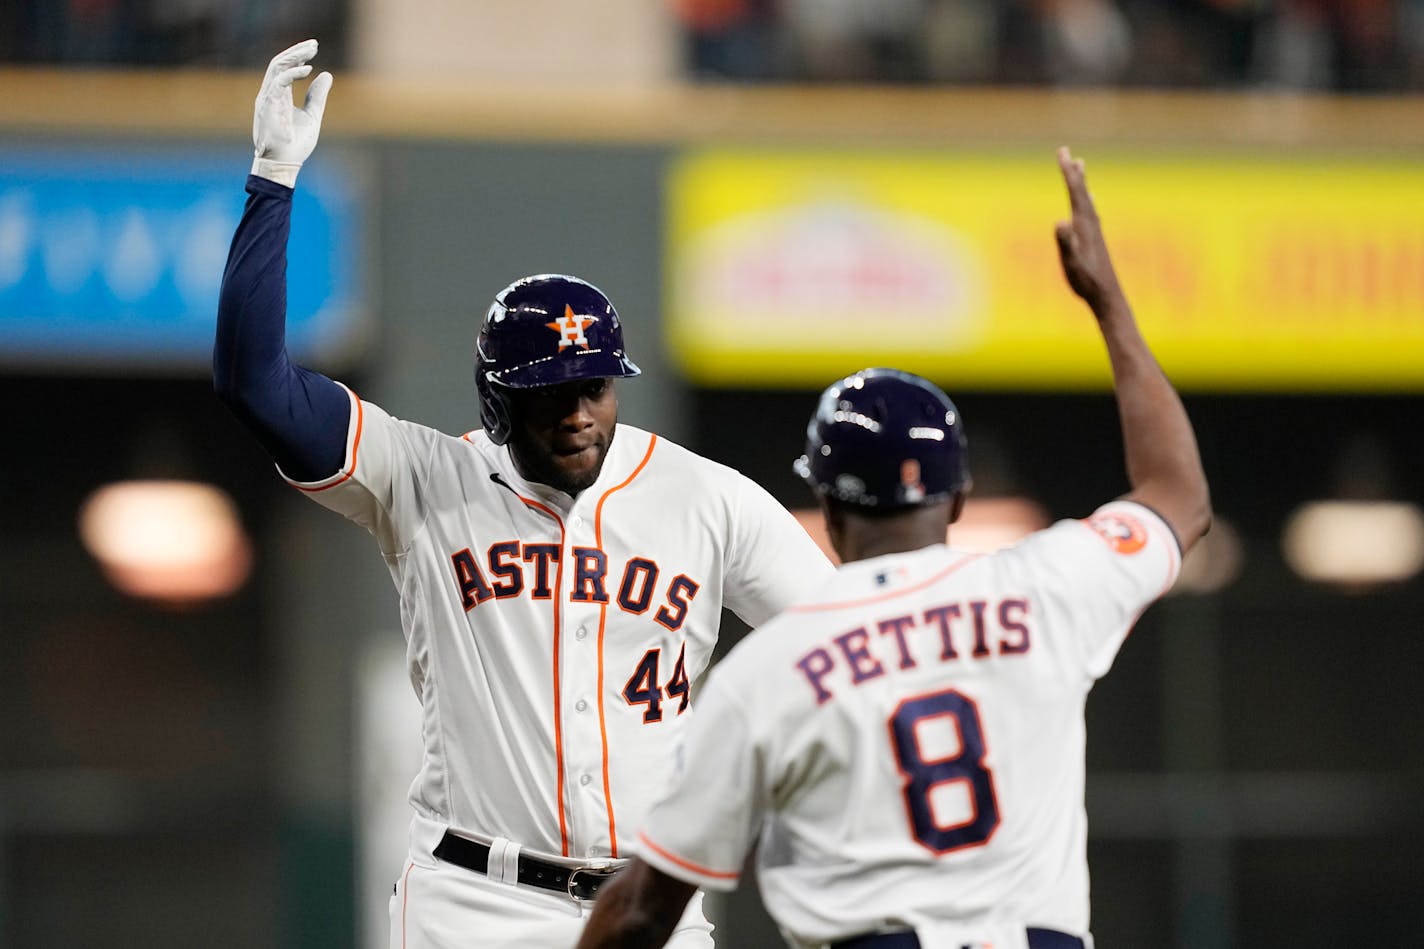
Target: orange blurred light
[[1355, 544], [1214, 563], [986, 525], [175, 542]]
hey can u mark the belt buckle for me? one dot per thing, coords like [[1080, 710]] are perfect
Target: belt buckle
[[600, 874]]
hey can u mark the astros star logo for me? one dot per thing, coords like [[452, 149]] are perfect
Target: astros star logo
[[1124, 534], [570, 328]]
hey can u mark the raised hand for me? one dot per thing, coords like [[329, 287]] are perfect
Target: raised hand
[[1081, 247], [281, 132]]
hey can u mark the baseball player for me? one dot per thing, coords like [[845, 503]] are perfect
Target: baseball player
[[909, 741], [561, 575]]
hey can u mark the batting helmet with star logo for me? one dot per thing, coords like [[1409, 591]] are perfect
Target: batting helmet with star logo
[[542, 331]]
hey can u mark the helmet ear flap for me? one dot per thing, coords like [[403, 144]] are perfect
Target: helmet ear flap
[[495, 416]]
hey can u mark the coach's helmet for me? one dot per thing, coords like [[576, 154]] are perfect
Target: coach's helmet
[[541, 331], [884, 439]]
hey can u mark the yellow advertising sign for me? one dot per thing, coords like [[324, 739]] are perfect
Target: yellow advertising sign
[[789, 269]]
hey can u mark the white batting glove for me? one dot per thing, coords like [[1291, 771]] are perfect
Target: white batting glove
[[284, 136]]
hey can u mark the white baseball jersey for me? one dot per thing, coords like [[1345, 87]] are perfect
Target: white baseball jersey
[[910, 740], [552, 641]]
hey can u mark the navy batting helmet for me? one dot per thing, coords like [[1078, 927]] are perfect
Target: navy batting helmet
[[541, 331], [885, 439]]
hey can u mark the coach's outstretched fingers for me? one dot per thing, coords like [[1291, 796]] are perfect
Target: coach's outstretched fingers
[[1081, 247]]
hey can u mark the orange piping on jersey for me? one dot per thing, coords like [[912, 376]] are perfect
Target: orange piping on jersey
[[355, 445], [602, 623], [1173, 567], [1174, 555], [405, 898], [930, 581], [558, 706], [687, 864]]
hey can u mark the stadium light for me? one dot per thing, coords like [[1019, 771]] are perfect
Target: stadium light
[[175, 543], [1355, 544]]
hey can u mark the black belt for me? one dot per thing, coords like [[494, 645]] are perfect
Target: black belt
[[581, 883], [906, 939]]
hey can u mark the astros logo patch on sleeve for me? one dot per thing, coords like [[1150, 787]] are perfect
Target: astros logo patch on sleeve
[[1124, 533]]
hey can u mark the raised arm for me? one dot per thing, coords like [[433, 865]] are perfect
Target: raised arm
[[298, 415], [1163, 465]]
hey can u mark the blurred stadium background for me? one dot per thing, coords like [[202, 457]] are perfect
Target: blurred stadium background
[[207, 733]]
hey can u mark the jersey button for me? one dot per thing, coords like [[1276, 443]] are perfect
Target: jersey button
[[581, 705], [575, 521], [580, 633], [585, 779]]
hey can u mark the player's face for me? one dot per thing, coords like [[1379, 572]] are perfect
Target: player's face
[[562, 433]]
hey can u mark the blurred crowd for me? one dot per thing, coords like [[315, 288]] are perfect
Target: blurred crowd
[[162, 32], [1335, 45], [1327, 45]]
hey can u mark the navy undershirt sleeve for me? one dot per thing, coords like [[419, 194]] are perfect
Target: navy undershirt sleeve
[[300, 416]]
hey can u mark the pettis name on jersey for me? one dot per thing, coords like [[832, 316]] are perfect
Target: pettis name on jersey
[[973, 629]]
